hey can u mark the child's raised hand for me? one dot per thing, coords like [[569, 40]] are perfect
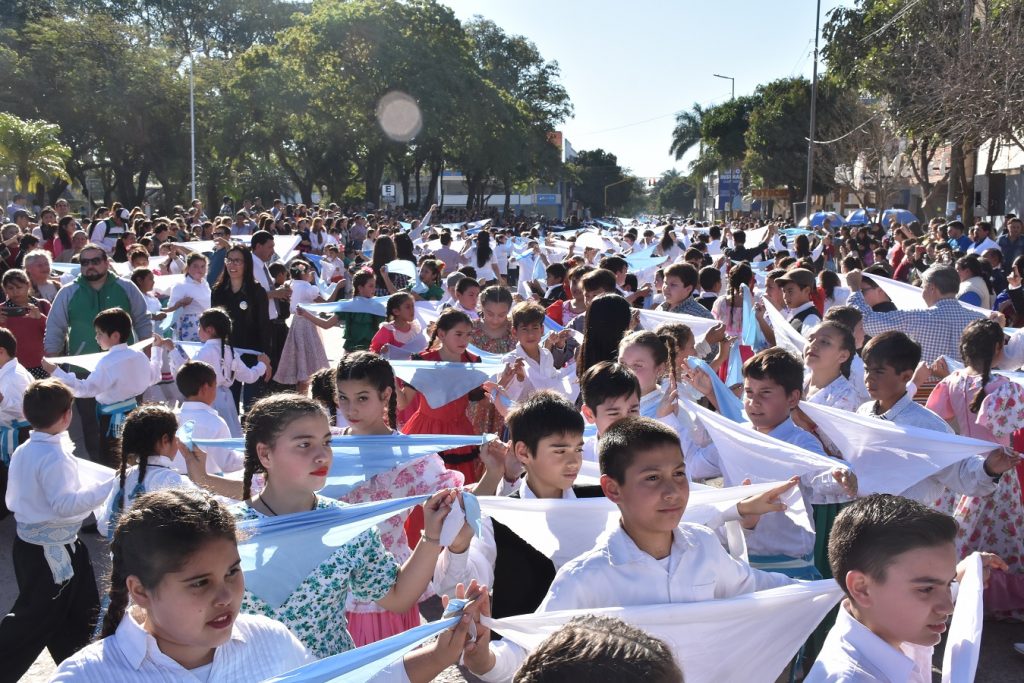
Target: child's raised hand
[[669, 403], [847, 479], [48, 366], [940, 368], [921, 374], [989, 561], [520, 369], [1000, 460], [506, 376], [753, 507], [195, 459], [715, 334], [458, 642], [435, 510]]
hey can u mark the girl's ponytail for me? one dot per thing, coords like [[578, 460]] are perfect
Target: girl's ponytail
[[118, 594], [978, 345]]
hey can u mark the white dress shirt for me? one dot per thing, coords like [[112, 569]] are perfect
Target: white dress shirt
[[159, 475], [208, 425], [854, 654], [809, 323], [14, 379], [198, 291], [226, 363], [540, 375], [840, 393], [262, 275], [987, 243], [122, 373], [43, 484], [302, 293], [968, 477], [617, 573], [259, 648]]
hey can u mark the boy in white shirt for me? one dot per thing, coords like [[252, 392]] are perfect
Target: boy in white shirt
[[896, 561], [610, 392], [57, 599], [197, 382], [120, 376], [533, 362], [14, 379], [651, 558]]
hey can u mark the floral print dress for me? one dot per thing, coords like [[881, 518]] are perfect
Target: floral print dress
[[315, 612], [992, 523]]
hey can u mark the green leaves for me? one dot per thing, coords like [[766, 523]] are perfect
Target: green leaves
[[31, 151]]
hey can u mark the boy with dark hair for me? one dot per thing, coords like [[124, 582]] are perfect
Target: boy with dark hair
[[651, 558], [555, 282], [797, 291], [610, 392], [197, 382], [592, 645], [772, 386], [546, 438], [681, 279], [120, 376], [533, 361], [895, 560], [710, 279], [57, 599]]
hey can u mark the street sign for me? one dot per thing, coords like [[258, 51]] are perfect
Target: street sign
[[387, 190]]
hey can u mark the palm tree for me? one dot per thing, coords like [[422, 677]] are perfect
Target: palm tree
[[31, 151], [686, 134]]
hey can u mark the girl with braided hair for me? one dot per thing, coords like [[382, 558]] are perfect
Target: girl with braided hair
[[982, 405], [365, 394]]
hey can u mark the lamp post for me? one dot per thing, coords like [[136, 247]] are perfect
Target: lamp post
[[192, 117], [728, 78], [617, 182]]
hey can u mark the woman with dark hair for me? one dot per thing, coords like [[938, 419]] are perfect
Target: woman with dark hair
[[60, 246], [245, 300], [974, 288], [482, 257], [608, 320], [384, 252]]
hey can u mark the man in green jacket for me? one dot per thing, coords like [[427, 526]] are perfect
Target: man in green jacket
[[69, 330]]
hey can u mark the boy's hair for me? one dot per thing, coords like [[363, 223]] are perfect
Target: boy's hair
[[873, 530], [46, 401], [894, 349], [709, 276], [594, 646], [779, 366], [360, 279], [8, 342], [615, 264], [193, 376], [620, 444], [466, 284], [556, 270], [684, 272], [277, 268], [527, 313], [114, 320], [542, 415], [846, 315], [607, 380], [599, 280]]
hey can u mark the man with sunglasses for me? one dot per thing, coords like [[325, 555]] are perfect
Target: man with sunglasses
[[69, 330]]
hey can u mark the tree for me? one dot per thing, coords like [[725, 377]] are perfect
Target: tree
[[674, 193], [723, 129], [31, 151], [595, 170], [688, 131]]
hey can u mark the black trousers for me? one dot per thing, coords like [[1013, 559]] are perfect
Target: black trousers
[[58, 617]]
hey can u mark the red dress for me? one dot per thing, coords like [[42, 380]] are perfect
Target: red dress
[[448, 419]]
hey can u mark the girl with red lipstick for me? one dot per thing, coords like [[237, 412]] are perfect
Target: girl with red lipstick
[[288, 441], [366, 399]]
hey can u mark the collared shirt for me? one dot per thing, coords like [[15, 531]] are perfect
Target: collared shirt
[[961, 243], [979, 248], [840, 393], [43, 483], [14, 379], [208, 424], [907, 413], [226, 362], [690, 307], [259, 648], [160, 474], [936, 329], [617, 573], [854, 654], [121, 374], [540, 375], [262, 274], [199, 292], [1011, 250], [807, 324]]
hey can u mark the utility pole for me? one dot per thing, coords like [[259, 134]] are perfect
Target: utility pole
[[814, 107]]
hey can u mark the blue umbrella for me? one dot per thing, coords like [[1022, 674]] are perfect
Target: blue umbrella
[[818, 217], [861, 216], [890, 216]]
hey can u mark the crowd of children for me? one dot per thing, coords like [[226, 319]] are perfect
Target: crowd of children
[[580, 396]]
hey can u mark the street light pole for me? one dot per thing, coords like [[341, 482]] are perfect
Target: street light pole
[[617, 182], [814, 107], [728, 78], [192, 117]]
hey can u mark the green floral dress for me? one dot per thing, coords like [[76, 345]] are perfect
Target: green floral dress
[[315, 612]]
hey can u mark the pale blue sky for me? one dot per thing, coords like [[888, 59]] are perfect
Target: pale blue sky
[[628, 66]]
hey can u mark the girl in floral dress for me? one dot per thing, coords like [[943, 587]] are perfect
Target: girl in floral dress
[[492, 333], [366, 398], [288, 441], [991, 408]]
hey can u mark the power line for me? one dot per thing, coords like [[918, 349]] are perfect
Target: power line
[[896, 17], [847, 134]]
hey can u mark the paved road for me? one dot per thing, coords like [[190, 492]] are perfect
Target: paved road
[[999, 664]]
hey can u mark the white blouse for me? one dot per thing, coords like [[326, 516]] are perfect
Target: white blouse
[[198, 291]]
